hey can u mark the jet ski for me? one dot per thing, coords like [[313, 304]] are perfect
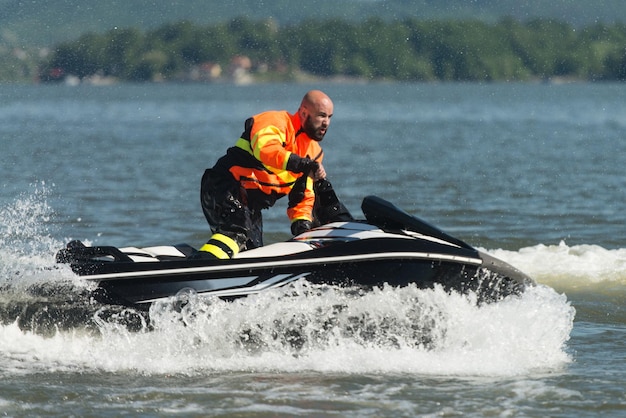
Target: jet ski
[[388, 248]]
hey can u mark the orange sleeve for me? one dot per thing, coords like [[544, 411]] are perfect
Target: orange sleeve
[[304, 209], [270, 134]]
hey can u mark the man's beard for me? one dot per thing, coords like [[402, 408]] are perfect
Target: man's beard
[[311, 131]]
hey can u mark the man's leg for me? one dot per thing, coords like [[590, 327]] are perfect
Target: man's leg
[[228, 217]]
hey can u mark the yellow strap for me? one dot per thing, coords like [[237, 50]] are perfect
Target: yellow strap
[[301, 218], [244, 144], [218, 245], [228, 241], [215, 250]]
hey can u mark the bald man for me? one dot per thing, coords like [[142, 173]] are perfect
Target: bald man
[[277, 155]]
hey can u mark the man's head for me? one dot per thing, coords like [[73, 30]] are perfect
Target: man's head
[[315, 112]]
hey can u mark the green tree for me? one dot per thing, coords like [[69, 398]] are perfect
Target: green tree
[[409, 50], [123, 47]]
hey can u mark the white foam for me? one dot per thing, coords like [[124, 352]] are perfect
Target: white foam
[[566, 266], [372, 333]]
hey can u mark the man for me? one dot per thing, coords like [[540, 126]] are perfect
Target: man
[[278, 154]]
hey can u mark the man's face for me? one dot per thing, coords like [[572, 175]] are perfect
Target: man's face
[[317, 119]]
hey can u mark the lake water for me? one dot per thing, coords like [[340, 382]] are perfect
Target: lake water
[[531, 173]]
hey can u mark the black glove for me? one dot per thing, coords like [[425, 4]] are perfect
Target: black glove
[[300, 226], [297, 164]]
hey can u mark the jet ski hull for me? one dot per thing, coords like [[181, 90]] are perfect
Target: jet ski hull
[[390, 248]]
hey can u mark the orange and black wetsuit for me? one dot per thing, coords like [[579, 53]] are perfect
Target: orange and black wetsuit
[[252, 176]]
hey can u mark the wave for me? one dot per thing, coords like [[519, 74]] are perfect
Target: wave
[[570, 267], [592, 277]]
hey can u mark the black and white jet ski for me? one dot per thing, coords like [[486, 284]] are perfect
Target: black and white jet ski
[[388, 247]]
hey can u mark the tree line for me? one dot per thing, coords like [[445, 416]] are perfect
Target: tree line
[[407, 50]]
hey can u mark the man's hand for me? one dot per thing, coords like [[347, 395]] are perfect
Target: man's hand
[[297, 164], [299, 226], [320, 174]]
